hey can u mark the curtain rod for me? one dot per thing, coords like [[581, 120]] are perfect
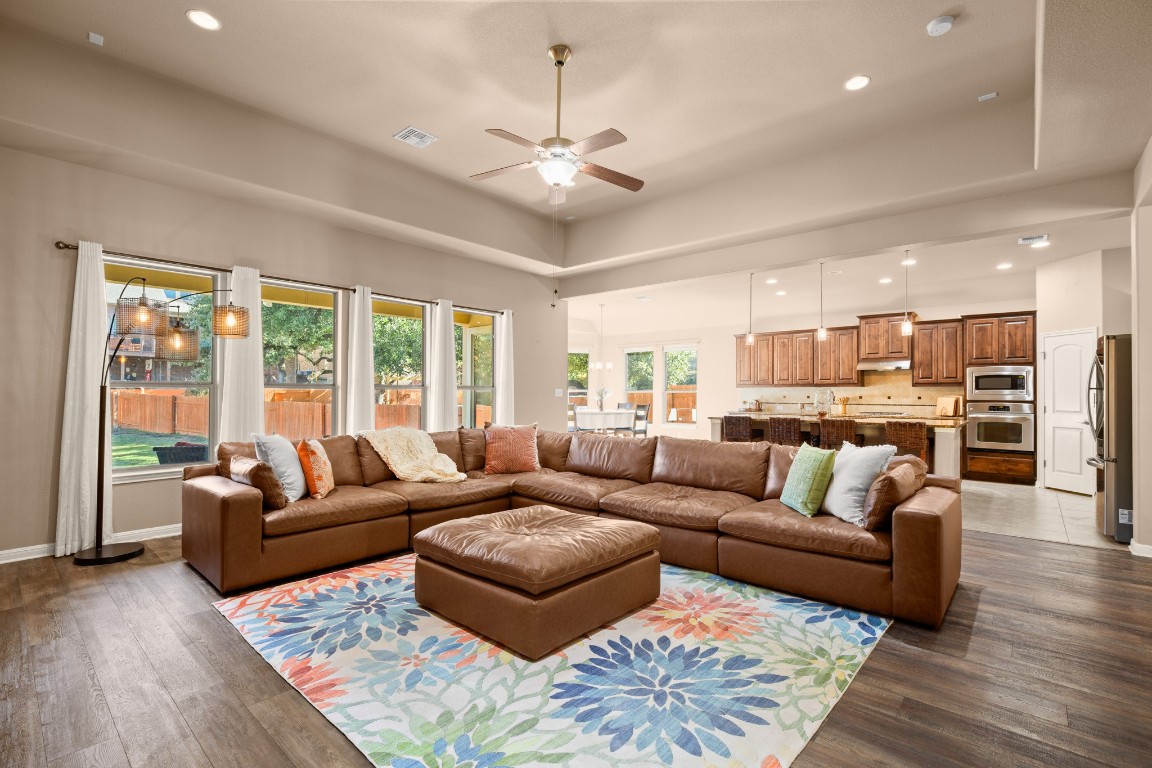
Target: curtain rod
[[61, 245]]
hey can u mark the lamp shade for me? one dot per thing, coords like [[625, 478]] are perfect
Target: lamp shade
[[230, 322], [141, 316], [181, 344], [557, 171]]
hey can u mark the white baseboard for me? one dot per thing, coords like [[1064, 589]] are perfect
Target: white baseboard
[[47, 550], [1140, 550]]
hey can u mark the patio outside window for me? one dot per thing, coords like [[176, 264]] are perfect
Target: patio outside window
[[398, 361], [680, 385], [474, 368]]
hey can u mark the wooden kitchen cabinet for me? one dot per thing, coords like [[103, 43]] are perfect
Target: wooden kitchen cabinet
[[1000, 339], [836, 358], [745, 362], [880, 337], [782, 360], [796, 358], [804, 357], [937, 353], [763, 360]]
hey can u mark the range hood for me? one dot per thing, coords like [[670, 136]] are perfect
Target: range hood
[[884, 365]]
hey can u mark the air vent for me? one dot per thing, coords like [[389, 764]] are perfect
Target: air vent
[[1033, 239], [415, 137]]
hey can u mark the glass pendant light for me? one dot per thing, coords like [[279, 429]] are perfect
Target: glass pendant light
[[906, 325], [750, 338], [822, 332]]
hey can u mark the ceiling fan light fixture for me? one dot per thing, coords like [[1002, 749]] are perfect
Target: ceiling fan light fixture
[[557, 171]]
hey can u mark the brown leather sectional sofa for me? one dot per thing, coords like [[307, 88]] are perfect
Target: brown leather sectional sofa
[[716, 505]]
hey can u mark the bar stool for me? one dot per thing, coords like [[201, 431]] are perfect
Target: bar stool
[[909, 437], [784, 430], [835, 432], [737, 429]]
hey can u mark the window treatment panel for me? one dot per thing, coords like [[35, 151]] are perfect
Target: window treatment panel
[[361, 411], [242, 365], [441, 407], [504, 405], [80, 441]]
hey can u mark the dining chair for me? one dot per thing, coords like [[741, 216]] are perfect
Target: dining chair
[[737, 429], [909, 437], [576, 419], [835, 432], [625, 406], [639, 423], [784, 430]]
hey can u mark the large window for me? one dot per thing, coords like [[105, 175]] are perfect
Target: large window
[[577, 378], [160, 410], [638, 378], [474, 368], [299, 359], [398, 361], [680, 385]]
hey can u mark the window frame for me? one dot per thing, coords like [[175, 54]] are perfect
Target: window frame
[[338, 345], [467, 400], [665, 391], [651, 391], [425, 317], [137, 474]]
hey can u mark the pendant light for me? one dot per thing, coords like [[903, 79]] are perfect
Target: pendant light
[[906, 325], [822, 332], [750, 338], [601, 365]]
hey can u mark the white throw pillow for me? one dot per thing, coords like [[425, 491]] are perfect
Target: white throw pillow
[[278, 452], [852, 476]]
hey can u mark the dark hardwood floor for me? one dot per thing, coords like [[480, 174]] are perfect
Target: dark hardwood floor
[[1045, 660]]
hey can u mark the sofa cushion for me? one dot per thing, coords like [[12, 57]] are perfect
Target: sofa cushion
[[260, 476], [448, 443], [424, 496], [345, 504], [780, 458], [225, 452], [808, 479], [612, 457], [508, 479], [281, 453], [770, 522], [472, 447], [888, 491], [736, 467], [372, 468], [552, 448], [680, 506], [510, 449], [570, 489], [345, 460], [317, 468]]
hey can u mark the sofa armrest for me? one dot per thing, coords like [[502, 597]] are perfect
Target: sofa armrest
[[926, 548], [942, 481], [201, 470], [222, 530]]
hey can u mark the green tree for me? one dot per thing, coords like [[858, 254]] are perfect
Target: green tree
[[680, 367], [398, 349], [578, 370], [638, 371], [292, 331]]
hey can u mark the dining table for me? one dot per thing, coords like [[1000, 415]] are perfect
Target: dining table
[[604, 421]]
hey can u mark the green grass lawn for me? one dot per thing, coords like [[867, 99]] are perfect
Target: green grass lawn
[[133, 448]]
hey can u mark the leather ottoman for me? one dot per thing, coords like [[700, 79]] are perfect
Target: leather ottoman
[[536, 578]]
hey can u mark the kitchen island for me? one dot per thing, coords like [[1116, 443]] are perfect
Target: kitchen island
[[946, 433]]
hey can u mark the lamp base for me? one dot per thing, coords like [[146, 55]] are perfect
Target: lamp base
[[109, 553]]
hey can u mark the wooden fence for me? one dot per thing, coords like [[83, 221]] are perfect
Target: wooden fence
[[163, 412]]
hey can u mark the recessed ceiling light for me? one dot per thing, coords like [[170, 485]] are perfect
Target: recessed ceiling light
[[781, 293], [1005, 265], [645, 299], [908, 262], [569, 218], [204, 20], [940, 25], [885, 280], [771, 281], [857, 82]]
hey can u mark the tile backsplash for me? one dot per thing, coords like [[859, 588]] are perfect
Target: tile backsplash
[[881, 391]]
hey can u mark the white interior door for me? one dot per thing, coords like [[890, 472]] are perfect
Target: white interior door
[[1068, 438]]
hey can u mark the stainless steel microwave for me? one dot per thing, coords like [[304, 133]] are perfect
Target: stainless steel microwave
[[1006, 383]]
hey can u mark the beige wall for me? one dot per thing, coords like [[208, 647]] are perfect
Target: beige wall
[[1117, 284], [1142, 375], [43, 200], [1070, 294]]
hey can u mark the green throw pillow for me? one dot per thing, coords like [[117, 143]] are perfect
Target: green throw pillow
[[808, 480]]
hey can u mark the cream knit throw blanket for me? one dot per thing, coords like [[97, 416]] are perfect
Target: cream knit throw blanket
[[411, 455]]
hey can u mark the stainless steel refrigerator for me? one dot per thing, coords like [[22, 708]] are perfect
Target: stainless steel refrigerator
[[1110, 416]]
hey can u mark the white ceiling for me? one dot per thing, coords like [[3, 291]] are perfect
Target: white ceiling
[[946, 280]]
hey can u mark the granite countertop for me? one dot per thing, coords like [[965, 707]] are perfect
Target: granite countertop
[[932, 420]]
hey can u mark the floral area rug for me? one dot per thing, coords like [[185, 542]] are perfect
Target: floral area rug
[[714, 673]]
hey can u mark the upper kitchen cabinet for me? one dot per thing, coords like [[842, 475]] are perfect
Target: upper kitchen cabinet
[[754, 364], [836, 358], [797, 359], [1000, 339], [745, 362], [938, 353], [880, 337]]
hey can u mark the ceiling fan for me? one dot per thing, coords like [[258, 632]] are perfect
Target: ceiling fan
[[558, 159]]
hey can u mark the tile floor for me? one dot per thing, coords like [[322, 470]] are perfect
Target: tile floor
[[1033, 513]]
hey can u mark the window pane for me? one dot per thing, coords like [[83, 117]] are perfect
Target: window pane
[[397, 342], [398, 408], [298, 336], [298, 413], [680, 394], [137, 358], [638, 371], [577, 379], [473, 349], [474, 407], [158, 426]]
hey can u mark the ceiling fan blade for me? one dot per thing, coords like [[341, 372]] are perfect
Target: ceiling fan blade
[[602, 140], [498, 171], [611, 176], [514, 138]]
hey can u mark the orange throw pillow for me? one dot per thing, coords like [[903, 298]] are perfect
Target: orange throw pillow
[[317, 468], [510, 449]]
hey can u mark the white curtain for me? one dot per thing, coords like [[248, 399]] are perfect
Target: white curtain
[[80, 438], [441, 406], [504, 408], [242, 367], [361, 411]]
